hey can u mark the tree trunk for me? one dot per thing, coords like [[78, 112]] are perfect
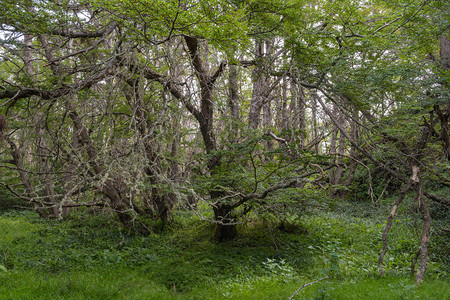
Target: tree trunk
[[332, 152], [301, 116], [284, 120], [205, 116], [425, 238], [257, 93], [267, 119], [293, 106], [261, 83], [225, 229], [233, 101], [352, 154], [338, 152], [444, 114], [314, 123]]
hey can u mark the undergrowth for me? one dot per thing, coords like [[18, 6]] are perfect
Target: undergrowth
[[89, 256]]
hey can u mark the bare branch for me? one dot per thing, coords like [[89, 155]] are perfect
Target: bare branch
[[71, 33], [305, 285], [218, 72]]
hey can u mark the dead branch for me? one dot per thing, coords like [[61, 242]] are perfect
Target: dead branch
[[425, 238], [305, 285], [400, 198]]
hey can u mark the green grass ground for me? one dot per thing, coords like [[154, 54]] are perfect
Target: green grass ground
[[91, 257]]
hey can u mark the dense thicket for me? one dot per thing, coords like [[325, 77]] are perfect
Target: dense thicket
[[146, 107]]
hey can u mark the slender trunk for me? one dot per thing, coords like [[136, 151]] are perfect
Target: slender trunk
[[332, 151], [352, 166], [444, 52], [267, 118], [261, 82], [284, 118], [257, 99], [444, 114], [314, 122], [425, 238], [293, 106], [302, 116], [2, 127], [340, 162], [233, 101], [174, 171], [337, 152]]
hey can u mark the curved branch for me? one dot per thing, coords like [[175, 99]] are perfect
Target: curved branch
[[71, 33]]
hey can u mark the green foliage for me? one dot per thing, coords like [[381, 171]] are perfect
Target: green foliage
[[216, 21]]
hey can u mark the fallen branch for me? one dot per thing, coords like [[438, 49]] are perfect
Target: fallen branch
[[305, 285], [86, 204], [400, 198], [437, 198]]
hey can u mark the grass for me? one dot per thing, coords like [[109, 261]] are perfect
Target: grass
[[91, 257], [120, 283]]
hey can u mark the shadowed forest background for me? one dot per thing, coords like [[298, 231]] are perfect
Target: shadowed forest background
[[224, 149]]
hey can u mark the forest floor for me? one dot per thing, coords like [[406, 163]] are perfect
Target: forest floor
[[89, 256]]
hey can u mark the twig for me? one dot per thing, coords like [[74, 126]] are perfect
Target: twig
[[278, 139], [384, 189], [305, 285]]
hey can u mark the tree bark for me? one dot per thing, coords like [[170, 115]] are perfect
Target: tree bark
[[444, 114], [352, 165], [425, 238], [225, 229], [314, 122], [284, 123], [261, 83], [233, 101], [302, 116], [337, 149]]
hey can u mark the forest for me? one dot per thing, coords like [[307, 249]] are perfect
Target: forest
[[237, 149]]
